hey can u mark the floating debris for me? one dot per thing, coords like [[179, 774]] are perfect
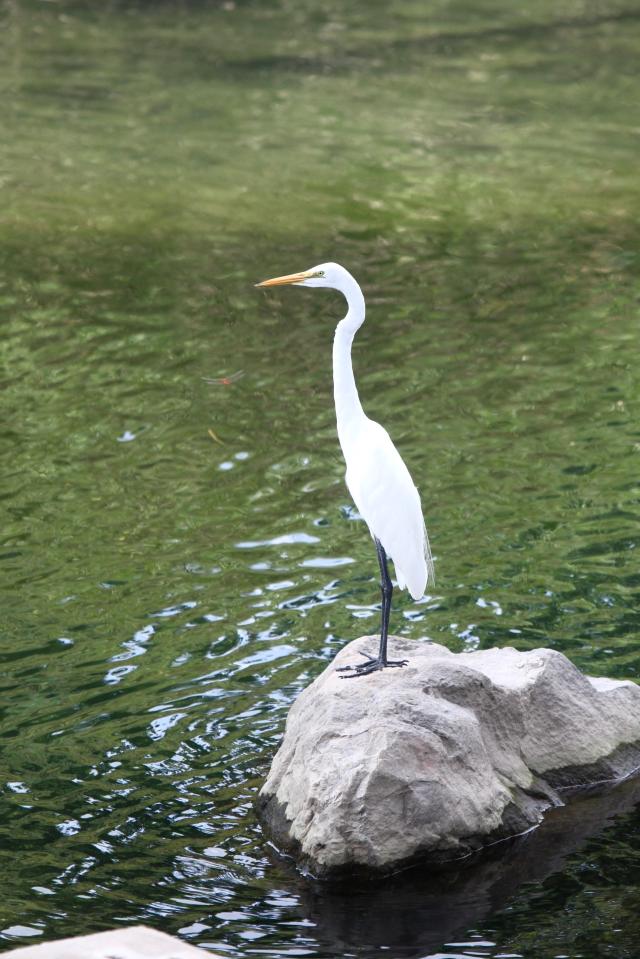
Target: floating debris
[[224, 380]]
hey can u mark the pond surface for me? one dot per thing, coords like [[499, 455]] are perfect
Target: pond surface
[[180, 558]]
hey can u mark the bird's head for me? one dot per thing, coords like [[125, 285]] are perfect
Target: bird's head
[[329, 275]]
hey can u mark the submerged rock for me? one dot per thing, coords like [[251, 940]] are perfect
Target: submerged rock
[[442, 757]]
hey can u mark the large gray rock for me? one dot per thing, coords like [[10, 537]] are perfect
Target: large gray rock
[[442, 757]]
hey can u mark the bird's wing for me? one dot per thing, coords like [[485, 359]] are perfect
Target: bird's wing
[[388, 500]]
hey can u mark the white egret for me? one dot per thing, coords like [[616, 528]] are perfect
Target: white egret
[[376, 476]]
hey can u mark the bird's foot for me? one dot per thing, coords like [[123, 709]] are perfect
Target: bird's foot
[[369, 658], [372, 665]]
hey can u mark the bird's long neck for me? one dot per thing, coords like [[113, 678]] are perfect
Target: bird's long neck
[[349, 412]]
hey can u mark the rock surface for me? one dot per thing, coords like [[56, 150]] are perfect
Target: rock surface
[[442, 757], [133, 942]]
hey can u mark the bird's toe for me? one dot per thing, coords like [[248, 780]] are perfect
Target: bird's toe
[[371, 666], [367, 656]]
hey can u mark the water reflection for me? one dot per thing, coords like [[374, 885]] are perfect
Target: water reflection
[[414, 914]]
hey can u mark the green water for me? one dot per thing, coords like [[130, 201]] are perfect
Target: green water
[[166, 592]]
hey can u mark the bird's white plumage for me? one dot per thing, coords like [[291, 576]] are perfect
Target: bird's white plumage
[[376, 476], [389, 502]]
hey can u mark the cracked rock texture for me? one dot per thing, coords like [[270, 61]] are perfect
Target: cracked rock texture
[[442, 757]]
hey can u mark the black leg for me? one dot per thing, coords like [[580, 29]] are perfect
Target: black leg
[[386, 588], [380, 662]]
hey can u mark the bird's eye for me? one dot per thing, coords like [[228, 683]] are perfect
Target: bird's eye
[[320, 273]]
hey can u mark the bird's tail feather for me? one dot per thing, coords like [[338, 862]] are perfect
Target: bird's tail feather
[[431, 573]]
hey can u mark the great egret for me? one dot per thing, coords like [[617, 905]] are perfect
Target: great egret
[[376, 477]]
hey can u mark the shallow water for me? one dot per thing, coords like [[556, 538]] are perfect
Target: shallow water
[[167, 592]]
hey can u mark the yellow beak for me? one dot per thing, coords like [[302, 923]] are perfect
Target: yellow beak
[[290, 278]]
